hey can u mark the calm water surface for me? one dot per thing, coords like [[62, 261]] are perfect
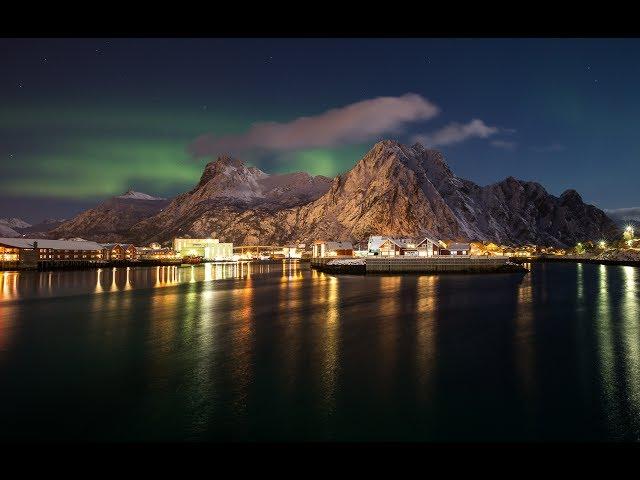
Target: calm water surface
[[280, 352]]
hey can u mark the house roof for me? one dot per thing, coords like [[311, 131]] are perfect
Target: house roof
[[376, 241], [54, 244], [425, 239]]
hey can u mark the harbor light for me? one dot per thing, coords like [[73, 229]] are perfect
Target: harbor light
[[628, 232]]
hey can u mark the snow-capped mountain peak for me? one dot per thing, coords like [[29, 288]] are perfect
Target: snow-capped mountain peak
[[133, 195]]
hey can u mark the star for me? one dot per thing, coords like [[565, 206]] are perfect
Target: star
[[204, 107], [44, 59], [19, 84]]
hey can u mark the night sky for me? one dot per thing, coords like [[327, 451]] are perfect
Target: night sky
[[85, 119]]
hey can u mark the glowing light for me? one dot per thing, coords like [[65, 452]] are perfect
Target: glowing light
[[602, 244]]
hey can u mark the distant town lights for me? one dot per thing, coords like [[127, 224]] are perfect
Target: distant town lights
[[602, 244]]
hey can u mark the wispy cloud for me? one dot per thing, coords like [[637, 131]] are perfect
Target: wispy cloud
[[357, 122], [456, 133], [625, 214], [553, 147], [504, 144]]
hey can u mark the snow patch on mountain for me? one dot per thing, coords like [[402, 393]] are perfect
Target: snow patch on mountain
[[133, 195], [8, 232], [14, 222]]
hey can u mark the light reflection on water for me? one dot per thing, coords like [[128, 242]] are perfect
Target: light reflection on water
[[279, 351], [28, 284], [426, 334], [525, 341], [630, 330], [606, 348]]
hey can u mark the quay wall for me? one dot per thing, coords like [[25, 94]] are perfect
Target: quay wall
[[437, 264]]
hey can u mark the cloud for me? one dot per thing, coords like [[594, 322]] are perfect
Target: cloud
[[353, 123], [554, 147], [456, 133], [625, 214], [503, 144]]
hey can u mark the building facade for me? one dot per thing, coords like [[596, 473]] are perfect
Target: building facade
[[321, 249], [389, 246], [32, 251], [207, 248], [455, 248], [156, 252], [120, 252]]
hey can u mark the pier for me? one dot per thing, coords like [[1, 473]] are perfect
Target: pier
[[407, 264]]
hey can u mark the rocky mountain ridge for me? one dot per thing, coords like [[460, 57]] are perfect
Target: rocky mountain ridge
[[393, 190]]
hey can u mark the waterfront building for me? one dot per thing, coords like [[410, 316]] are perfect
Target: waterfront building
[[456, 248], [8, 256], [291, 251], [31, 251], [207, 248], [322, 249], [389, 246], [156, 252], [120, 251]]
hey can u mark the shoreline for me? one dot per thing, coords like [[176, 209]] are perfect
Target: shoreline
[[94, 265], [565, 259]]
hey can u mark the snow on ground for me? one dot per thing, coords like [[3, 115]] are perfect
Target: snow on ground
[[620, 255], [346, 261]]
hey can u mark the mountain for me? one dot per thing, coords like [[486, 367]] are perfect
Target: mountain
[[41, 229], [393, 190], [14, 223], [233, 200], [625, 216], [8, 232], [132, 195], [514, 211], [111, 220]]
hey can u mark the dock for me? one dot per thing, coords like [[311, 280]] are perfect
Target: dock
[[435, 264]]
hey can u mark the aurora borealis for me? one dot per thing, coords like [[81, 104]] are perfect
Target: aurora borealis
[[85, 119]]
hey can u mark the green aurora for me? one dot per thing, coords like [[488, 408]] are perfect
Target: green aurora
[[94, 154]]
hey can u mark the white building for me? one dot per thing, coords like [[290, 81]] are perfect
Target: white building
[[455, 248], [388, 246], [207, 248]]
